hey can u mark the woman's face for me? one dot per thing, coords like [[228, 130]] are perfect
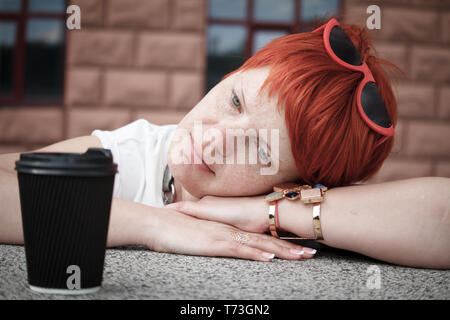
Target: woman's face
[[234, 142]]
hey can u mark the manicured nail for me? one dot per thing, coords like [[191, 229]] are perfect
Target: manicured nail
[[309, 250], [268, 255], [295, 251]]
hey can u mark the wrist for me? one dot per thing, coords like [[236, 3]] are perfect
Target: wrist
[[130, 223], [296, 217], [260, 209], [147, 223]]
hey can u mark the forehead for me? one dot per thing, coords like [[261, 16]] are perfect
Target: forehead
[[250, 82]]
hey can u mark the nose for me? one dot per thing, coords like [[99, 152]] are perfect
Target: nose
[[212, 135], [226, 140]]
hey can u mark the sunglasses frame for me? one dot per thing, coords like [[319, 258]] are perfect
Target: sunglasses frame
[[368, 77]]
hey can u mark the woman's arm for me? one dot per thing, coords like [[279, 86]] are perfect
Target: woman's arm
[[404, 222], [10, 218], [132, 223]]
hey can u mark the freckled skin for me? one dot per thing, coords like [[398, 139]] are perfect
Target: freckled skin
[[216, 110]]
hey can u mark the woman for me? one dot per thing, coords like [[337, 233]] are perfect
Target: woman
[[308, 117]]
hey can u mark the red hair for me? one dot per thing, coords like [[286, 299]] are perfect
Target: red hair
[[330, 142]]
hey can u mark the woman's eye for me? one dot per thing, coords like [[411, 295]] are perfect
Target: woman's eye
[[235, 99], [263, 156]]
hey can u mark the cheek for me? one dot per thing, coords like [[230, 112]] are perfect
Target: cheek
[[241, 180]]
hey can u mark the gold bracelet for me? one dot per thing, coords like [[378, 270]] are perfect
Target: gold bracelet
[[272, 225], [316, 221], [291, 191]]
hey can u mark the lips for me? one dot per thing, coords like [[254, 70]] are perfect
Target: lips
[[197, 155]]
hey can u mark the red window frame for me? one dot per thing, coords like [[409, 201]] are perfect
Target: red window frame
[[21, 18]]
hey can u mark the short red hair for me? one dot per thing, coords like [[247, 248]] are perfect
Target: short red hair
[[330, 142]]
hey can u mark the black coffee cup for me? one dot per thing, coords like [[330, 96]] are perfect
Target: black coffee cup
[[65, 202]]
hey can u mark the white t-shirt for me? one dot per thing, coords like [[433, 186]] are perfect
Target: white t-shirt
[[140, 151]]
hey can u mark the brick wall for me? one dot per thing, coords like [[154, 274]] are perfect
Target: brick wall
[[146, 59], [134, 59], [415, 35], [131, 59]]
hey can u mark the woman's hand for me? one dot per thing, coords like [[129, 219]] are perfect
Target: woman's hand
[[170, 231], [245, 213]]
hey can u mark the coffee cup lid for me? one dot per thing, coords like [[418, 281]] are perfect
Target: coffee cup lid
[[94, 162]]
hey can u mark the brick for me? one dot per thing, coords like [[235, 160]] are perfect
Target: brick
[[425, 4], [83, 86], [415, 100], [135, 88], [398, 169], [384, 4], [82, 122], [142, 13], [394, 53], [186, 89], [406, 24], [430, 64], [446, 28], [107, 48], [428, 139], [160, 117], [91, 12], [189, 14], [355, 13], [444, 102], [31, 125], [443, 169], [183, 50]]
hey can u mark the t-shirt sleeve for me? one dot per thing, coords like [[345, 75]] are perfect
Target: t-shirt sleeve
[[126, 145]]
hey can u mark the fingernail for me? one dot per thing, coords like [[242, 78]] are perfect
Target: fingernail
[[295, 251], [310, 251], [268, 255]]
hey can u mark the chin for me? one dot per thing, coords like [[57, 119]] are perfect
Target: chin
[[186, 176]]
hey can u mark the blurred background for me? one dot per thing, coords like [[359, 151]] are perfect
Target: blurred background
[[155, 59]]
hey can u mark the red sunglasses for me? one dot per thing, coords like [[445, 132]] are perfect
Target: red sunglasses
[[371, 106]]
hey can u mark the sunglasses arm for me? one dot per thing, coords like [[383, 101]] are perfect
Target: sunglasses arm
[[320, 28], [381, 141]]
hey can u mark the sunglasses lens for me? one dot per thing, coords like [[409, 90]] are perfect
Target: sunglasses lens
[[373, 105], [343, 47]]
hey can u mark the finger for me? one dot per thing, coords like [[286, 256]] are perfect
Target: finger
[[270, 244], [199, 210], [238, 250], [308, 252], [186, 207], [266, 244]]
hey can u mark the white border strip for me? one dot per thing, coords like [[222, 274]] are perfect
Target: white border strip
[[64, 291]]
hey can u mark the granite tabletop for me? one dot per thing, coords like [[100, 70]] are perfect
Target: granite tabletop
[[138, 273]]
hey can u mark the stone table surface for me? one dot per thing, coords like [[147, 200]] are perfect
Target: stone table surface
[[138, 273]]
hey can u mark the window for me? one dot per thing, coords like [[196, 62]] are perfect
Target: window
[[239, 28], [32, 49]]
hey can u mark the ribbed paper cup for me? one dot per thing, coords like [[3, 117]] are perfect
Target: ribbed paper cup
[[66, 201]]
